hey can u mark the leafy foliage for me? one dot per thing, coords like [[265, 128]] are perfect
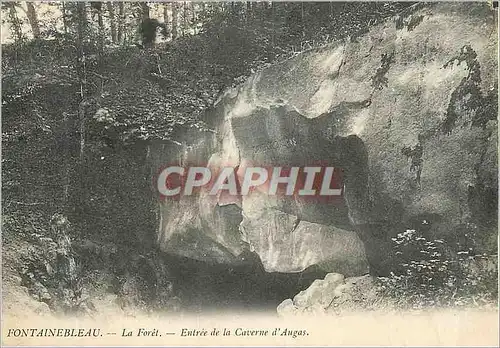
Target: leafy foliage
[[437, 273]]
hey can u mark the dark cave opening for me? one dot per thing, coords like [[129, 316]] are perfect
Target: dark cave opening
[[205, 287]]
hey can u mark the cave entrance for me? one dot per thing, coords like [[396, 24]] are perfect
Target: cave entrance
[[205, 287]]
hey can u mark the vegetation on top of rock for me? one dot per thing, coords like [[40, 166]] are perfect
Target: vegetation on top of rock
[[440, 273]]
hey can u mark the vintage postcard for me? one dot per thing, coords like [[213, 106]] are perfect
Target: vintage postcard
[[249, 173]]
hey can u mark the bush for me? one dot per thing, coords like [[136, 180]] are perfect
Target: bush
[[435, 273]]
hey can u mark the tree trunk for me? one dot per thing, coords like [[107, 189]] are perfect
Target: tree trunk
[[273, 32], [14, 21], [184, 18], [112, 21], [121, 20], [165, 15], [144, 10], [248, 11], [302, 19], [144, 16], [174, 20], [193, 16], [81, 69], [64, 17], [67, 159], [100, 22], [33, 19]]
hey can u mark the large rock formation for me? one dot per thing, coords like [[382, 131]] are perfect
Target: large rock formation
[[335, 294], [408, 110]]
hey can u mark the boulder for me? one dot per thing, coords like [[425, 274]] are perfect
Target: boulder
[[286, 308], [406, 109], [320, 293], [335, 294]]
